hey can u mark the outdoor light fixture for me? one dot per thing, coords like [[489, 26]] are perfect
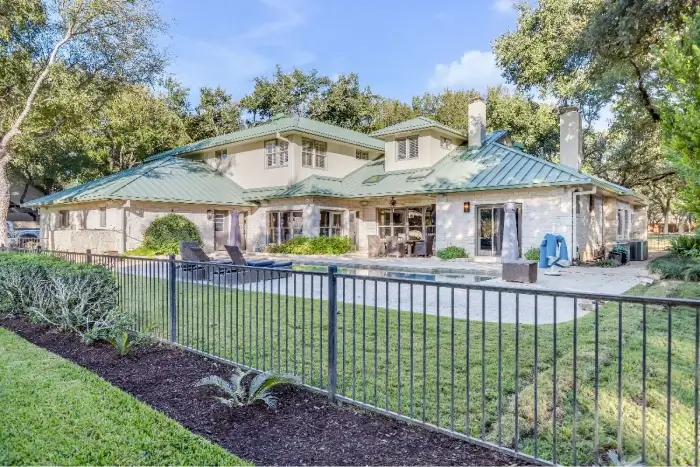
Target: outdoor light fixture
[[467, 206], [392, 203], [210, 214]]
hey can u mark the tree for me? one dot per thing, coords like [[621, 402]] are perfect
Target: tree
[[109, 40], [287, 94], [678, 67], [216, 114], [344, 103]]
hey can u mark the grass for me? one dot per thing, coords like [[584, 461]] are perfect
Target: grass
[[53, 412], [453, 361]]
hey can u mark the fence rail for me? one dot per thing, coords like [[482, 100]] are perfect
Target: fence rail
[[550, 376]]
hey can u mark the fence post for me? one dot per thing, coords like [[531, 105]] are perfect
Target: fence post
[[332, 332], [173, 297], [88, 257]]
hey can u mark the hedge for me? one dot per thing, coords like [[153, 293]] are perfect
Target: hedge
[[164, 234], [314, 246]]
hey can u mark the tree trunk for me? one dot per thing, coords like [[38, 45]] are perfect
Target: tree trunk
[[4, 197], [681, 225], [665, 224]]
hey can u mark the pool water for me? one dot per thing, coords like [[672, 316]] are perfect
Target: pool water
[[460, 278]]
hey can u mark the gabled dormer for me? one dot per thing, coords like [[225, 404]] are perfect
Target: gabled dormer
[[417, 143]]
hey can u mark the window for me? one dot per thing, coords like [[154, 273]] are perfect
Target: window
[[445, 143], [283, 226], [313, 153], [219, 218], [374, 179], [276, 153], [619, 222], [221, 153], [64, 219], [103, 217], [331, 224], [416, 222], [361, 155], [407, 148]]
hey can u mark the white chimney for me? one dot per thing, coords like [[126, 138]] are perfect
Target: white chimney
[[570, 138], [477, 122]]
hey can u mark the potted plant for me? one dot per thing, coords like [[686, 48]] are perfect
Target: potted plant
[[619, 255]]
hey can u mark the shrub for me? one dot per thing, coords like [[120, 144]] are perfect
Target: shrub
[[605, 263], [164, 234], [249, 387], [78, 297], [533, 254], [686, 245], [314, 246], [676, 266], [452, 252]]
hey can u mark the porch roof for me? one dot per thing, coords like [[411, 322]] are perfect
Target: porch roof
[[171, 179]]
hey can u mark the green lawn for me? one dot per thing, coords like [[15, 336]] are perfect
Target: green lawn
[[282, 333], [53, 412]]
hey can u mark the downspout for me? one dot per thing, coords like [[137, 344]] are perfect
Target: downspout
[[574, 202]]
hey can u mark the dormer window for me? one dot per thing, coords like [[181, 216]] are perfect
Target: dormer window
[[361, 155], [407, 148], [445, 143], [276, 153], [313, 153], [221, 153]]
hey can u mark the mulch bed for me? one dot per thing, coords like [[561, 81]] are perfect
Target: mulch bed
[[305, 430]]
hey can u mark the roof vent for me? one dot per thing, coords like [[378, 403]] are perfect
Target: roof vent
[[374, 179], [519, 145]]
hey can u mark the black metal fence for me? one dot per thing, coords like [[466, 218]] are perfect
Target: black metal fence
[[550, 376]]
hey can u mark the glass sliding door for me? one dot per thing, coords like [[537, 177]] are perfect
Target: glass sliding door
[[489, 236], [283, 226], [414, 223], [331, 224]]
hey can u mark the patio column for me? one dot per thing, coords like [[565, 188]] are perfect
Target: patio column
[[311, 221]]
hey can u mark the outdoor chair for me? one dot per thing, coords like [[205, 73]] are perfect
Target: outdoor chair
[[237, 258], [185, 252], [195, 254], [430, 246], [375, 246], [394, 247]]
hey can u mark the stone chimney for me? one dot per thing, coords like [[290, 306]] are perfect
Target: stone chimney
[[570, 138], [477, 122]]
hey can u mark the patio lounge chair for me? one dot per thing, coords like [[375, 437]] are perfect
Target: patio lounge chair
[[375, 246], [185, 252], [237, 258], [395, 247]]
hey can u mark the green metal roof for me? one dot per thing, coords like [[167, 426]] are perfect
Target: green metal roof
[[418, 123], [171, 179], [272, 127], [494, 166]]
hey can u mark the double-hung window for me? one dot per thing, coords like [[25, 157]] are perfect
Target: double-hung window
[[313, 153], [276, 153], [407, 148]]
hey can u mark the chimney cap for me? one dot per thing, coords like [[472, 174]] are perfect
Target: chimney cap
[[568, 108], [478, 98]]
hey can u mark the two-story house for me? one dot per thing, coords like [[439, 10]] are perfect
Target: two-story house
[[295, 176]]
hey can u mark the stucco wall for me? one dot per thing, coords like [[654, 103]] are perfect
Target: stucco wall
[[429, 150], [246, 164], [543, 210]]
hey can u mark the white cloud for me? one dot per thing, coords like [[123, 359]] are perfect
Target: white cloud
[[286, 16], [475, 69], [503, 6]]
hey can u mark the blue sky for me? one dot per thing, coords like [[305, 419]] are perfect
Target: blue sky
[[399, 47]]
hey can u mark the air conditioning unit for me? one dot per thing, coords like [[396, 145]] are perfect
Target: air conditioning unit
[[639, 250]]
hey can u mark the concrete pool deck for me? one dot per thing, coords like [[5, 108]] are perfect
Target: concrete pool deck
[[454, 298]]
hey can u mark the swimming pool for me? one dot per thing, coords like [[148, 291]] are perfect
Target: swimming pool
[[467, 277]]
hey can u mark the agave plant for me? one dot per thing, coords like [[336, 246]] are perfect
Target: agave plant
[[616, 461], [249, 387]]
